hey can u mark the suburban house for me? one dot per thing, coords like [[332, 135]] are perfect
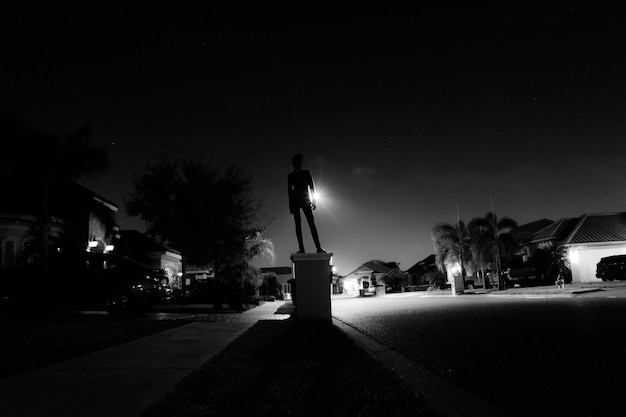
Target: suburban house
[[585, 239], [370, 278], [282, 276], [548, 238], [416, 272], [525, 231], [143, 248], [79, 220]]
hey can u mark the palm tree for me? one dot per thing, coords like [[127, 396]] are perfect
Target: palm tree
[[481, 245], [257, 245], [451, 245], [491, 241]]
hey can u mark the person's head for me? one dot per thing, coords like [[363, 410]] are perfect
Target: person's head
[[296, 160]]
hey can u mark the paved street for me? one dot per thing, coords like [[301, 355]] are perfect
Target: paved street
[[531, 355]]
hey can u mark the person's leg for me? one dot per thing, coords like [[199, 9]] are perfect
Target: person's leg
[[298, 220], [308, 213]]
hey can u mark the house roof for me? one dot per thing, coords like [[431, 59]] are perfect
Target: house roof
[[78, 188], [527, 230], [422, 266], [376, 267], [558, 230], [588, 228], [597, 228], [373, 266], [279, 270]]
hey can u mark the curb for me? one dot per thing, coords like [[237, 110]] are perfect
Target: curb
[[445, 396], [583, 291]]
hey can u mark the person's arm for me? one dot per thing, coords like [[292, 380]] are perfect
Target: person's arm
[[312, 191]]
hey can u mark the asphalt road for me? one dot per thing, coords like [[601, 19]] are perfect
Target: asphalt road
[[530, 355]]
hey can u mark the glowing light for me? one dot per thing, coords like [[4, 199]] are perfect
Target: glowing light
[[93, 244], [109, 248], [456, 268], [573, 255]]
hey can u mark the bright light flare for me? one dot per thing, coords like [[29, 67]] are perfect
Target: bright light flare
[[573, 255], [456, 268], [317, 197]]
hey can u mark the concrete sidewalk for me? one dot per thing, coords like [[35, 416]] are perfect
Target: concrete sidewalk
[[125, 379]]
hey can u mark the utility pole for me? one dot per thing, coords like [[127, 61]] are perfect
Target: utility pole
[[497, 243], [460, 233]]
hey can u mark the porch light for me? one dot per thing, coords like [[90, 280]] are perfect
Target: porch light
[[573, 255], [109, 248], [456, 268], [93, 244]]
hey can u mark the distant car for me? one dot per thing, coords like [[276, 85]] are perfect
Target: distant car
[[85, 281], [611, 268]]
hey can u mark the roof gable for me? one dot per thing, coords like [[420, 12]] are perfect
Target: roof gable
[[376, 267], [423, 265], [527, 230], [278, 270], [558, 230], [597, 228], [371, 267]]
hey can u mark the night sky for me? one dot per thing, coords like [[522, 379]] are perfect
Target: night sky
[[401, 116]]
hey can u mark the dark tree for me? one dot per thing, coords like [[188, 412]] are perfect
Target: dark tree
[[492, 241], [35, 165], [205, 212], [452, 246]]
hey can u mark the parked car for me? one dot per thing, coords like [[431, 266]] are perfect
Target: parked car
[[85, 281], [611, 268], [521, 277]]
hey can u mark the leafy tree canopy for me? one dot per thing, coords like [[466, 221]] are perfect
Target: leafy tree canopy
[[206, 212], [35, 166], [32, 162]]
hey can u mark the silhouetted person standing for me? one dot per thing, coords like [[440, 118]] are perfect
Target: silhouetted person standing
[[301, 191]]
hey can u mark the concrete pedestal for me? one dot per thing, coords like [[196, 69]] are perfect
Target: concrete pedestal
[[313, 279]]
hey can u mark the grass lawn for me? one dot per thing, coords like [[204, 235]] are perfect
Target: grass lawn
[[30, 340], [569, 288], [285, 368]]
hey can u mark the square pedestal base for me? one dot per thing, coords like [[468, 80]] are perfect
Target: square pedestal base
[[313, 279]]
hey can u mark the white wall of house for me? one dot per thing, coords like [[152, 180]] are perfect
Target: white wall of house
[[585, 257], [361, 279], [351, 285], [285, 287], [169, 261]]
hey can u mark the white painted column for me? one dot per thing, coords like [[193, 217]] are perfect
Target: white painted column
[[313, 275]]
